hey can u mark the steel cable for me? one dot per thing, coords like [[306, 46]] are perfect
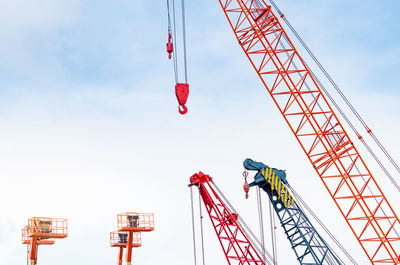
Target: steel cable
[[201, 228], [184, 38], [175, 53], [172, 31], [193, 227], [273, 233], [261, 223]]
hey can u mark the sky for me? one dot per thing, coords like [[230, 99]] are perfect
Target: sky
[[89, 125]]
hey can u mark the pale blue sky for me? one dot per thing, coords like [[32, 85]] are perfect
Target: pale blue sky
[[87, 110]]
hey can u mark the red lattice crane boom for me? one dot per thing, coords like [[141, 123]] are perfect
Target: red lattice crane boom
[[235, 244], [317, 128]]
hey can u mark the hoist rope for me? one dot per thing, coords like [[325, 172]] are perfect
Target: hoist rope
[[184, 38], [193, 227], [201, 229], [175, 53], [273, 233], [169, 17], [302, 203], [245, 228], [354, 111], [261, 223], [172, 31]]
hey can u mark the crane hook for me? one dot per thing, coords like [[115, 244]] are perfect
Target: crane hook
[[246, 186], [182, 94], [170, 46], [182, 109]]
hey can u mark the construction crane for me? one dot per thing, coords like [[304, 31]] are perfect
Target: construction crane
[[120, 240], [303, 102], [235, 243], [308, 245], [299, 96], [132, 222], [42, 231]]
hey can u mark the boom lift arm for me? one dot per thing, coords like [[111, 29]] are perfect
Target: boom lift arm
[[308, 245]]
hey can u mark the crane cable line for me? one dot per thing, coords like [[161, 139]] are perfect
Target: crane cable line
[[261, 223], [201, 229], [193, 227], [354, 111], [273, 233], [172, 31], [184, 38]]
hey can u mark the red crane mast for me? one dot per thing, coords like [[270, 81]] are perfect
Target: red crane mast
[[235, 244], [317, 128]]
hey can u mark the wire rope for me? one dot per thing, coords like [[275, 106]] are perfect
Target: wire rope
[[273, 233], [193, 227], [175, 53], [172, 32], [201, 228], [184, 38], [261, 223]]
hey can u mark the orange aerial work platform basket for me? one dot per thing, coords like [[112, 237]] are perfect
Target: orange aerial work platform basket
[[26, 239], [135, 222], [120, 239], [43, 227]]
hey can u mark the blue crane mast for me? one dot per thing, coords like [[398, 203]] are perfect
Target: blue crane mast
[[307, 243]]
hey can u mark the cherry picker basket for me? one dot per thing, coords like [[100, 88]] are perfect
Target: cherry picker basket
[[136, 222], [120, 239], [43, 227]]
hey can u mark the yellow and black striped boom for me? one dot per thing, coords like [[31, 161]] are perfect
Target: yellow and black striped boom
[[278, 185]]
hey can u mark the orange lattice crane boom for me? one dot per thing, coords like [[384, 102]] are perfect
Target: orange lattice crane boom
[[317, 128]]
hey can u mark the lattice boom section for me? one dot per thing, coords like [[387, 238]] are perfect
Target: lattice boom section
[[236, 246], [316, 127]]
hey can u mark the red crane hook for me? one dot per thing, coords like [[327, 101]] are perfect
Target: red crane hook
[[170, 46], [182, 94], [246, 186]]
